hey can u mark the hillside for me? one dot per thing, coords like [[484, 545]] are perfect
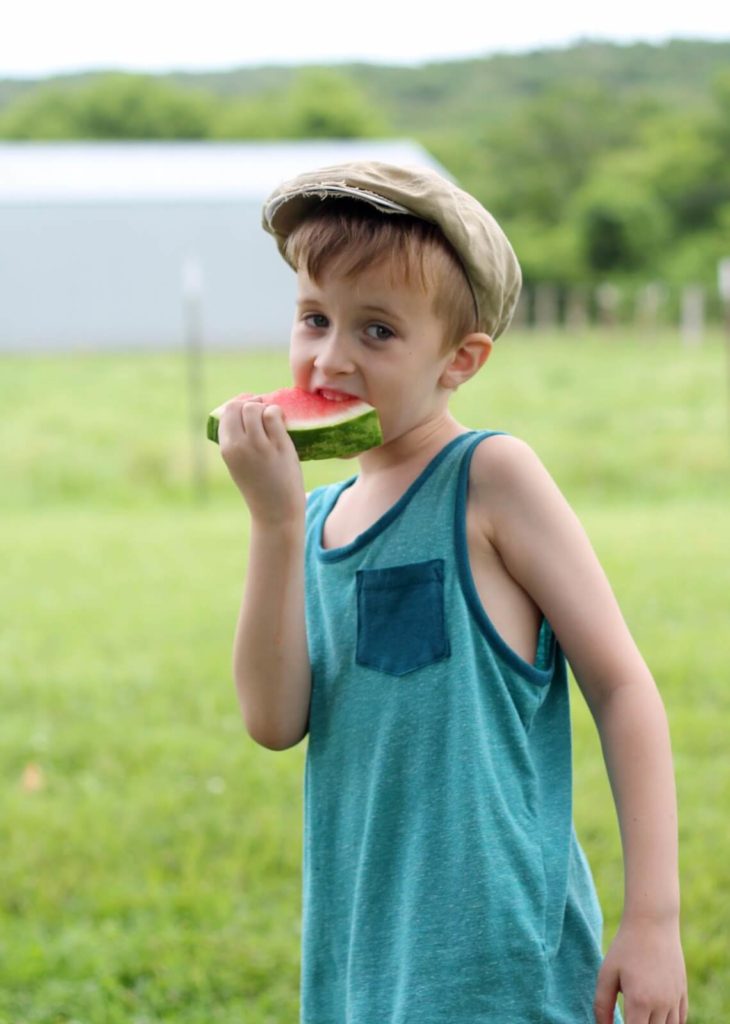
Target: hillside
[[414, 98]]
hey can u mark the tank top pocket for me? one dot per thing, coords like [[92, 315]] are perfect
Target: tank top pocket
[[401, 620]]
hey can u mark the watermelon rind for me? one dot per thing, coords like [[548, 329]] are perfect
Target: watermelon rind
[[349, 436]]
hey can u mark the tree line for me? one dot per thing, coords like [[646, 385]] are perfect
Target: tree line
[[603, 163]]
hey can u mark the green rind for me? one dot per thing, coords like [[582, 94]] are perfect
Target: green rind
[[211, 428], [348, 438]]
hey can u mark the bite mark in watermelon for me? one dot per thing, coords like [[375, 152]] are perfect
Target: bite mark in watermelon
[[320, 427]]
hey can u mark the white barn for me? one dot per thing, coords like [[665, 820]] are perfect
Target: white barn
[[94, 238]]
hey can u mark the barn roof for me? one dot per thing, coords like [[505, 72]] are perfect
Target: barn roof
[[89, 172]]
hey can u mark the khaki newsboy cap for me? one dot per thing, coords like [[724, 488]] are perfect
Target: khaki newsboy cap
[[488, 259]]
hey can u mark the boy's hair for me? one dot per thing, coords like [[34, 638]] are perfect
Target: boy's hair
[[351, 237]]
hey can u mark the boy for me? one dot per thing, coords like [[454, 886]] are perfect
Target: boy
[[412, 620]]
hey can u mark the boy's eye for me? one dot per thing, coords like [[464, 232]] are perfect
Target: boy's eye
[[316, 320], [379, 332]]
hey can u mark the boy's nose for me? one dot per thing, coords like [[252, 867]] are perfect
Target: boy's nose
[[333, 356]]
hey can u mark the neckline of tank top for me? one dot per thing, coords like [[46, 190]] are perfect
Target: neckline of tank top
[[338, 554]]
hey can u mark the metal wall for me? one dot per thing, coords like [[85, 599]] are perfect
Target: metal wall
[[103, 275]]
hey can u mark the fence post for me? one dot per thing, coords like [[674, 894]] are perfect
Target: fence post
[[192, 289], [576, 308], [546, 307], [692, 314], [521, 317], [648, 304], [608, 298]]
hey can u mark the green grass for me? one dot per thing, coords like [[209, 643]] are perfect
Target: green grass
[[155, 875]]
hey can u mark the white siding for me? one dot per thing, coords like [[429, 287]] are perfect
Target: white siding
[[110, 276], [93, 238]]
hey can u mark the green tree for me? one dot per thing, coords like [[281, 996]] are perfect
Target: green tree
[[114, 106], [622, 226], [718, 135], [258, 117], [47, 113], [677, 160], [325, 104], [538, 159], [321, 103], [657, 207]]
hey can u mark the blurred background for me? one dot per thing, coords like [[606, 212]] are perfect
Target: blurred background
[[151, 852]]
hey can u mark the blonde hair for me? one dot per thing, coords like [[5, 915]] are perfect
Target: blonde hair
[[353, 236]]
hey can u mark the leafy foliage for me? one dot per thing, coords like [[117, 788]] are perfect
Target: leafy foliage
[[115, 106], [318, 103]]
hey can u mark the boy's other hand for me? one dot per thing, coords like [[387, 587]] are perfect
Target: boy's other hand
[[262, 461], [646, 964]]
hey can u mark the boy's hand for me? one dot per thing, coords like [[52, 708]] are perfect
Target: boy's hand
[[262, 461], [646, 964]]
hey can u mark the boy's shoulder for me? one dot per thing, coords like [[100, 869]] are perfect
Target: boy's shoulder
[[508, 481], [503, 460]]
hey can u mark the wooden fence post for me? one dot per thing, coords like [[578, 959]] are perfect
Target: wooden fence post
[[546, 307], [692, 314], [521, 313], [192, 290], [608, 298], [576, 309], [649, 301]]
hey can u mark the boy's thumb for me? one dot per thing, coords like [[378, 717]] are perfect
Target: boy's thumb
[[607, 990]]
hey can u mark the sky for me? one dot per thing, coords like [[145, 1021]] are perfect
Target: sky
[[43, 37]]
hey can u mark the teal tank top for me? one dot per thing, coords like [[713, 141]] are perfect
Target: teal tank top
[[442, 879]]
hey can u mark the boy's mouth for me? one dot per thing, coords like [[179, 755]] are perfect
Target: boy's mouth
[[335, 396]]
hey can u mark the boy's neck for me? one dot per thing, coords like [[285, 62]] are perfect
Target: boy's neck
[[386, 474], [410, 453]]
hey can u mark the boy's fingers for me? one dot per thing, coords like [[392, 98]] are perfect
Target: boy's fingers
[[232, 425], [607, 989], [679, 1015], [229, 425], [640, 1012], [273, 421], [252, 416], [683, 1010]]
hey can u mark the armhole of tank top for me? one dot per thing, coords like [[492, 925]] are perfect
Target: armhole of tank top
[[541, 671]]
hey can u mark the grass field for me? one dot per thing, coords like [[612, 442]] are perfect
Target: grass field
[[149, 850]]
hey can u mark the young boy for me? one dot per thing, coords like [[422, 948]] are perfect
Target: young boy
[[412, 621]]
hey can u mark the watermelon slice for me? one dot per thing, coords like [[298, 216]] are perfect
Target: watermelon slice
[[320, 427]]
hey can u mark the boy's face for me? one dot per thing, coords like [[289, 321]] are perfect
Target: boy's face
[[373, 339]]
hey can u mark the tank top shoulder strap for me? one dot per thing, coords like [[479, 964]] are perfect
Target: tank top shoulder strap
[[443, 472], [433, 497]]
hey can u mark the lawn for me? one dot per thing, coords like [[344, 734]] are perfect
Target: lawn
[[150, 866]]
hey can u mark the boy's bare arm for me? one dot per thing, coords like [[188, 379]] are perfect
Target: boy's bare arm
[[548, 553], [270, 656]]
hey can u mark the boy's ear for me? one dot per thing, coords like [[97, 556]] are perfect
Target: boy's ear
[[466, 359]]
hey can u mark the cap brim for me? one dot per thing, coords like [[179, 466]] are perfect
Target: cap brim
[[284, 211]]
